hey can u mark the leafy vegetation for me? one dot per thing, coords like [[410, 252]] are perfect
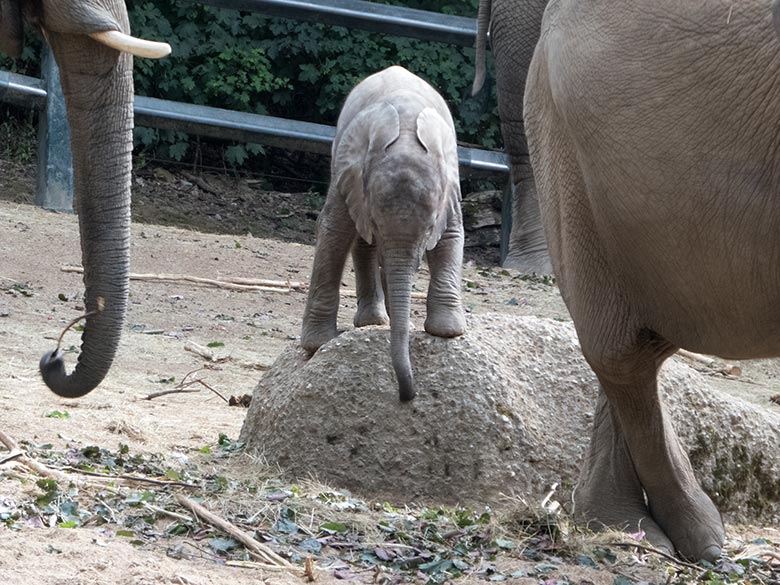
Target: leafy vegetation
[[346, 537], [290, 69]]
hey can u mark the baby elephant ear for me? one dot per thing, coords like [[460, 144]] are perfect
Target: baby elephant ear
[[11, 28], [368, 134], [438, 138]]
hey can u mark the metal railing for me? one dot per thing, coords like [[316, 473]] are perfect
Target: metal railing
[[55, 183]]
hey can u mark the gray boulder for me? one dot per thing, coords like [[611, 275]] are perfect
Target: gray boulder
[[505, 409]]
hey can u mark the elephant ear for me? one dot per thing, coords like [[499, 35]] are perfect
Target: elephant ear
[[369, 134], [11, 28], [438, 138]]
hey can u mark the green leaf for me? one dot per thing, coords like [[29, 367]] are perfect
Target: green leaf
[[58, 414], [68, 524], [215, 344], [126, 533], [505, 544], [336, 527]]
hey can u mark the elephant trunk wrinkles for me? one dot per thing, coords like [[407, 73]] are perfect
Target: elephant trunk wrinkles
[[399, 269], [100, 112]]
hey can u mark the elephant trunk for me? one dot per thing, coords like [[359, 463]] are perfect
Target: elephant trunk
[[399, 270], [100, 111]]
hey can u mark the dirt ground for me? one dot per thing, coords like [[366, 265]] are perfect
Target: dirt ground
[[264, 235]]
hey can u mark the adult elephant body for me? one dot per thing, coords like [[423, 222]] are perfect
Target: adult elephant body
[[98, 87], [514, 27], [653, 132]]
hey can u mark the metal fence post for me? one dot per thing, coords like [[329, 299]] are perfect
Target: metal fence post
[[54, 188], [506, 220]]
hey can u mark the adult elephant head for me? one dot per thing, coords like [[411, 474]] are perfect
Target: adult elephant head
[[514, 31], [91, 44]]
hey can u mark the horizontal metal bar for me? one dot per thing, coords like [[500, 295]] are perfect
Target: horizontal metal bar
[[21, 90], [233, 125], [393, 20], [291, 134], [239, 126]]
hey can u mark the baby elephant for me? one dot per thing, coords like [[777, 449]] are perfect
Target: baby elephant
[[394, 194]]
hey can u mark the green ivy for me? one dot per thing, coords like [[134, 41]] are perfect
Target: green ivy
[[291, 69]]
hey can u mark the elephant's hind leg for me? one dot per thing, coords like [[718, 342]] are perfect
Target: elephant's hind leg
[[368, 283], [335, 234], [444, 314], [634, 448]]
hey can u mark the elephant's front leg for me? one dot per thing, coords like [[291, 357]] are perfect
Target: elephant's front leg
[[368, 284], [445, 308], [335, 234]]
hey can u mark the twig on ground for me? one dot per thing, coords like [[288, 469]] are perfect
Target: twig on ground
[[37, 467], [255, 565], [239, 284], [176, 390], [255, 548], [124, 477], [652, 550], [100, 306], [176, 515], [11, 457], [203, 352], [309, 573], [726, 368]]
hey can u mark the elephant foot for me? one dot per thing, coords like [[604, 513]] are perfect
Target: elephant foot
[[312, 338], [529, 262], [371, 314], [598, 508], [445, 321], [609, 493], [691, 521]]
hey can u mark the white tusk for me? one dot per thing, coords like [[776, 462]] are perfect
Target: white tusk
[[135, 46]]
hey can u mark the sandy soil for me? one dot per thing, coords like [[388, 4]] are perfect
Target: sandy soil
[[37, 298]]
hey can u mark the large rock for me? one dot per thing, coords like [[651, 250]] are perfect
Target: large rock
[[505, 409]]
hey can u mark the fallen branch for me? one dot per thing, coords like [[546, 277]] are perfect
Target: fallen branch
[[184, 386], [649, 549], [241, 284], [176, 390], [123, 477], [726, 368], [255, 565], [255, 548], [28, 461], [203, 352]]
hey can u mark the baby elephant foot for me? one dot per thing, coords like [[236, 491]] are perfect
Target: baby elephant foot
[[312, 338], [445, 321], [371, 314]]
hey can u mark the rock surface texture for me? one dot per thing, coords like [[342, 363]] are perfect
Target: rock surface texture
[[505, 409]]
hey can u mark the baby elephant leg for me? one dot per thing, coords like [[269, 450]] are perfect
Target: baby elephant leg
[[445, 308], [335, 234], [368, 283]]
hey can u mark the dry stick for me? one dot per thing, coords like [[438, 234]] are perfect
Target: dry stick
[[254, 547], [11, 457], [255, 565], [124, 477], [661, 553], [232, 284], [101, 305], [727, 368], [176, 390], [37, 467]]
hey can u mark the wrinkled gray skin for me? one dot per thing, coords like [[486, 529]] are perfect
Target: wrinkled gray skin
[[98, 87], [394, 194], [514, 30], [653, 129]]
